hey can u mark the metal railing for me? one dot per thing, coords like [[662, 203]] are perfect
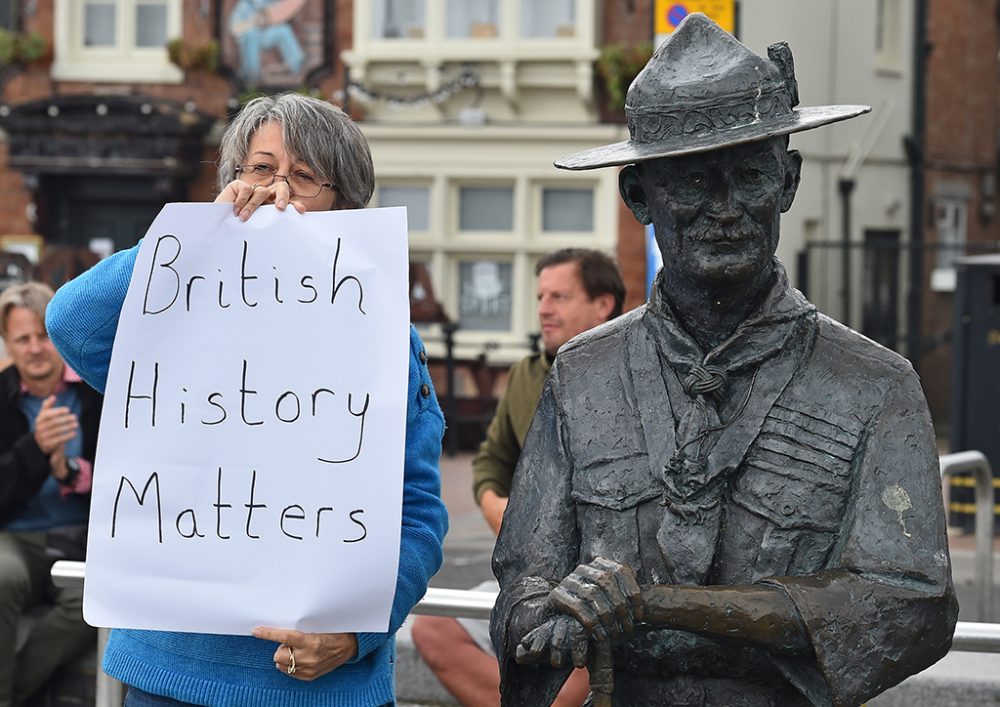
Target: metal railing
[[969, 636], [976, 463]]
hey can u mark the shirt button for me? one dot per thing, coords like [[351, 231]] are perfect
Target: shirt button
[[423, 357], [787, 510], [425, 390]]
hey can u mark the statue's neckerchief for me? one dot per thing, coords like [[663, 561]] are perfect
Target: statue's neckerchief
[[720, 400]]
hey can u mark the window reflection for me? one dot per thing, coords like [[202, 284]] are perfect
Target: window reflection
[[568, 210], [548, 18], [476, 19], [151, 25], [415, 199], [486, 209], [399, 19], [99, 24], [484, 295]]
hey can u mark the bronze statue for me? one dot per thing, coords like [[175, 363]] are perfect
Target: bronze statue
[[726, 497]]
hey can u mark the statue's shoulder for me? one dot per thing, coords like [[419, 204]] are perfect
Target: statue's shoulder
[[604, 339], [847, 351]]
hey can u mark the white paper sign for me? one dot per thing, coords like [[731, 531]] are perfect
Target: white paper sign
[[250, 461]]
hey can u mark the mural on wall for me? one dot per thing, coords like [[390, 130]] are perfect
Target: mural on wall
[[273, 43]]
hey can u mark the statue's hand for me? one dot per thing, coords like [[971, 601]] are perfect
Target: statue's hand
[[603, 596], [561, 642]]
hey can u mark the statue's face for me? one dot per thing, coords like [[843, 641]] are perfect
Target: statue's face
[[716, 214]]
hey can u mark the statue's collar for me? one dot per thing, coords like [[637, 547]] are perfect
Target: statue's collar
[[783, 304]]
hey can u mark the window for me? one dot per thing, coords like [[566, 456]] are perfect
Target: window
[[568, 210], [9, 10], [415, 199], [486, 209], [555, 18], [476, 236], [99, 24], [478, 19], [950, 217], [116, 40], [484, 295], [888, 28], [151, 24], [399, 19]]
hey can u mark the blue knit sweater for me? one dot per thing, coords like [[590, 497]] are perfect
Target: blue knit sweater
[[207, 669]]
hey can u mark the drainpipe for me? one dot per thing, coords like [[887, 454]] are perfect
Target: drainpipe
[[845, 187], [915, 154]]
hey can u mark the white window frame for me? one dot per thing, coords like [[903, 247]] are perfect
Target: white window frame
[[443, 246], [508, 49], [435, 38], [122, 63]]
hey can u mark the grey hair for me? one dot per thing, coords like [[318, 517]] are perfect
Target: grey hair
[[31, 295], [314, 131]]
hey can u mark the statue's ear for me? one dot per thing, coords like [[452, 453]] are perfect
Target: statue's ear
[[633, 194], [793, 170]]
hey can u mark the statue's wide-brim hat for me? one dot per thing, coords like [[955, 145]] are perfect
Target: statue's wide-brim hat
[[703, 90]]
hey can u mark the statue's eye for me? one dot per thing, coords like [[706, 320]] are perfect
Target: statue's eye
[[752, 177], [696, 179]]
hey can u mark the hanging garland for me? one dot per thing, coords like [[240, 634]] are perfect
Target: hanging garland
[[466, 79]]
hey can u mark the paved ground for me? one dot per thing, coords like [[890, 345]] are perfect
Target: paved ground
[[469, 544]]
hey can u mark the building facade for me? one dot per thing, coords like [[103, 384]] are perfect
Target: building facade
[[112, 108], [466, 104]]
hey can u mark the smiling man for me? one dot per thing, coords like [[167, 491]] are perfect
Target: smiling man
[[726, 498], [48, 437]]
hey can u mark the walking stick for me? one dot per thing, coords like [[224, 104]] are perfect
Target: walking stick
[[602, 674]]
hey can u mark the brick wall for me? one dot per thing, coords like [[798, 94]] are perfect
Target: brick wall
[[961, 149], [627, 22], [210, 92]]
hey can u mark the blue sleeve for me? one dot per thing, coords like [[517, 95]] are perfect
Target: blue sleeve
[[82, 318], [425, 519]]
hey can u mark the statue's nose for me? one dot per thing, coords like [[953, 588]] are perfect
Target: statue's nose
[[722, 206]]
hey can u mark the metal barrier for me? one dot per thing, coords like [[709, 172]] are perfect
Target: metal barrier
[[976, 463], [969, 636]]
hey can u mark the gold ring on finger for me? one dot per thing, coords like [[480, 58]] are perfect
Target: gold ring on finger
[[291, 661]]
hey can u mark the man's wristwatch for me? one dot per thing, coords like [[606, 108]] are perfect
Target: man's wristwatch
[[72, 471]]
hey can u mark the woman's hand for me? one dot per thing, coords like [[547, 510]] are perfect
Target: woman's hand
[[313, 655], [246, 197]]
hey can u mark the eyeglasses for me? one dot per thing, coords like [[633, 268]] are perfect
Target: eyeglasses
[[300, 183]]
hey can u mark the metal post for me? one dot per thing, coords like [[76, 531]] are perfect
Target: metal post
[[977, 464], [450, 407], [846, 187], [915, 145], [109, 692]]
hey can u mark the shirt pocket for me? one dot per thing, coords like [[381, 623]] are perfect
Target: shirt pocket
[[790, 492], [606, 493], [797, 473], [616, 484]]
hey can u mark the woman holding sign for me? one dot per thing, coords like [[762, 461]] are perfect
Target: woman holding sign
[[299, 152]]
